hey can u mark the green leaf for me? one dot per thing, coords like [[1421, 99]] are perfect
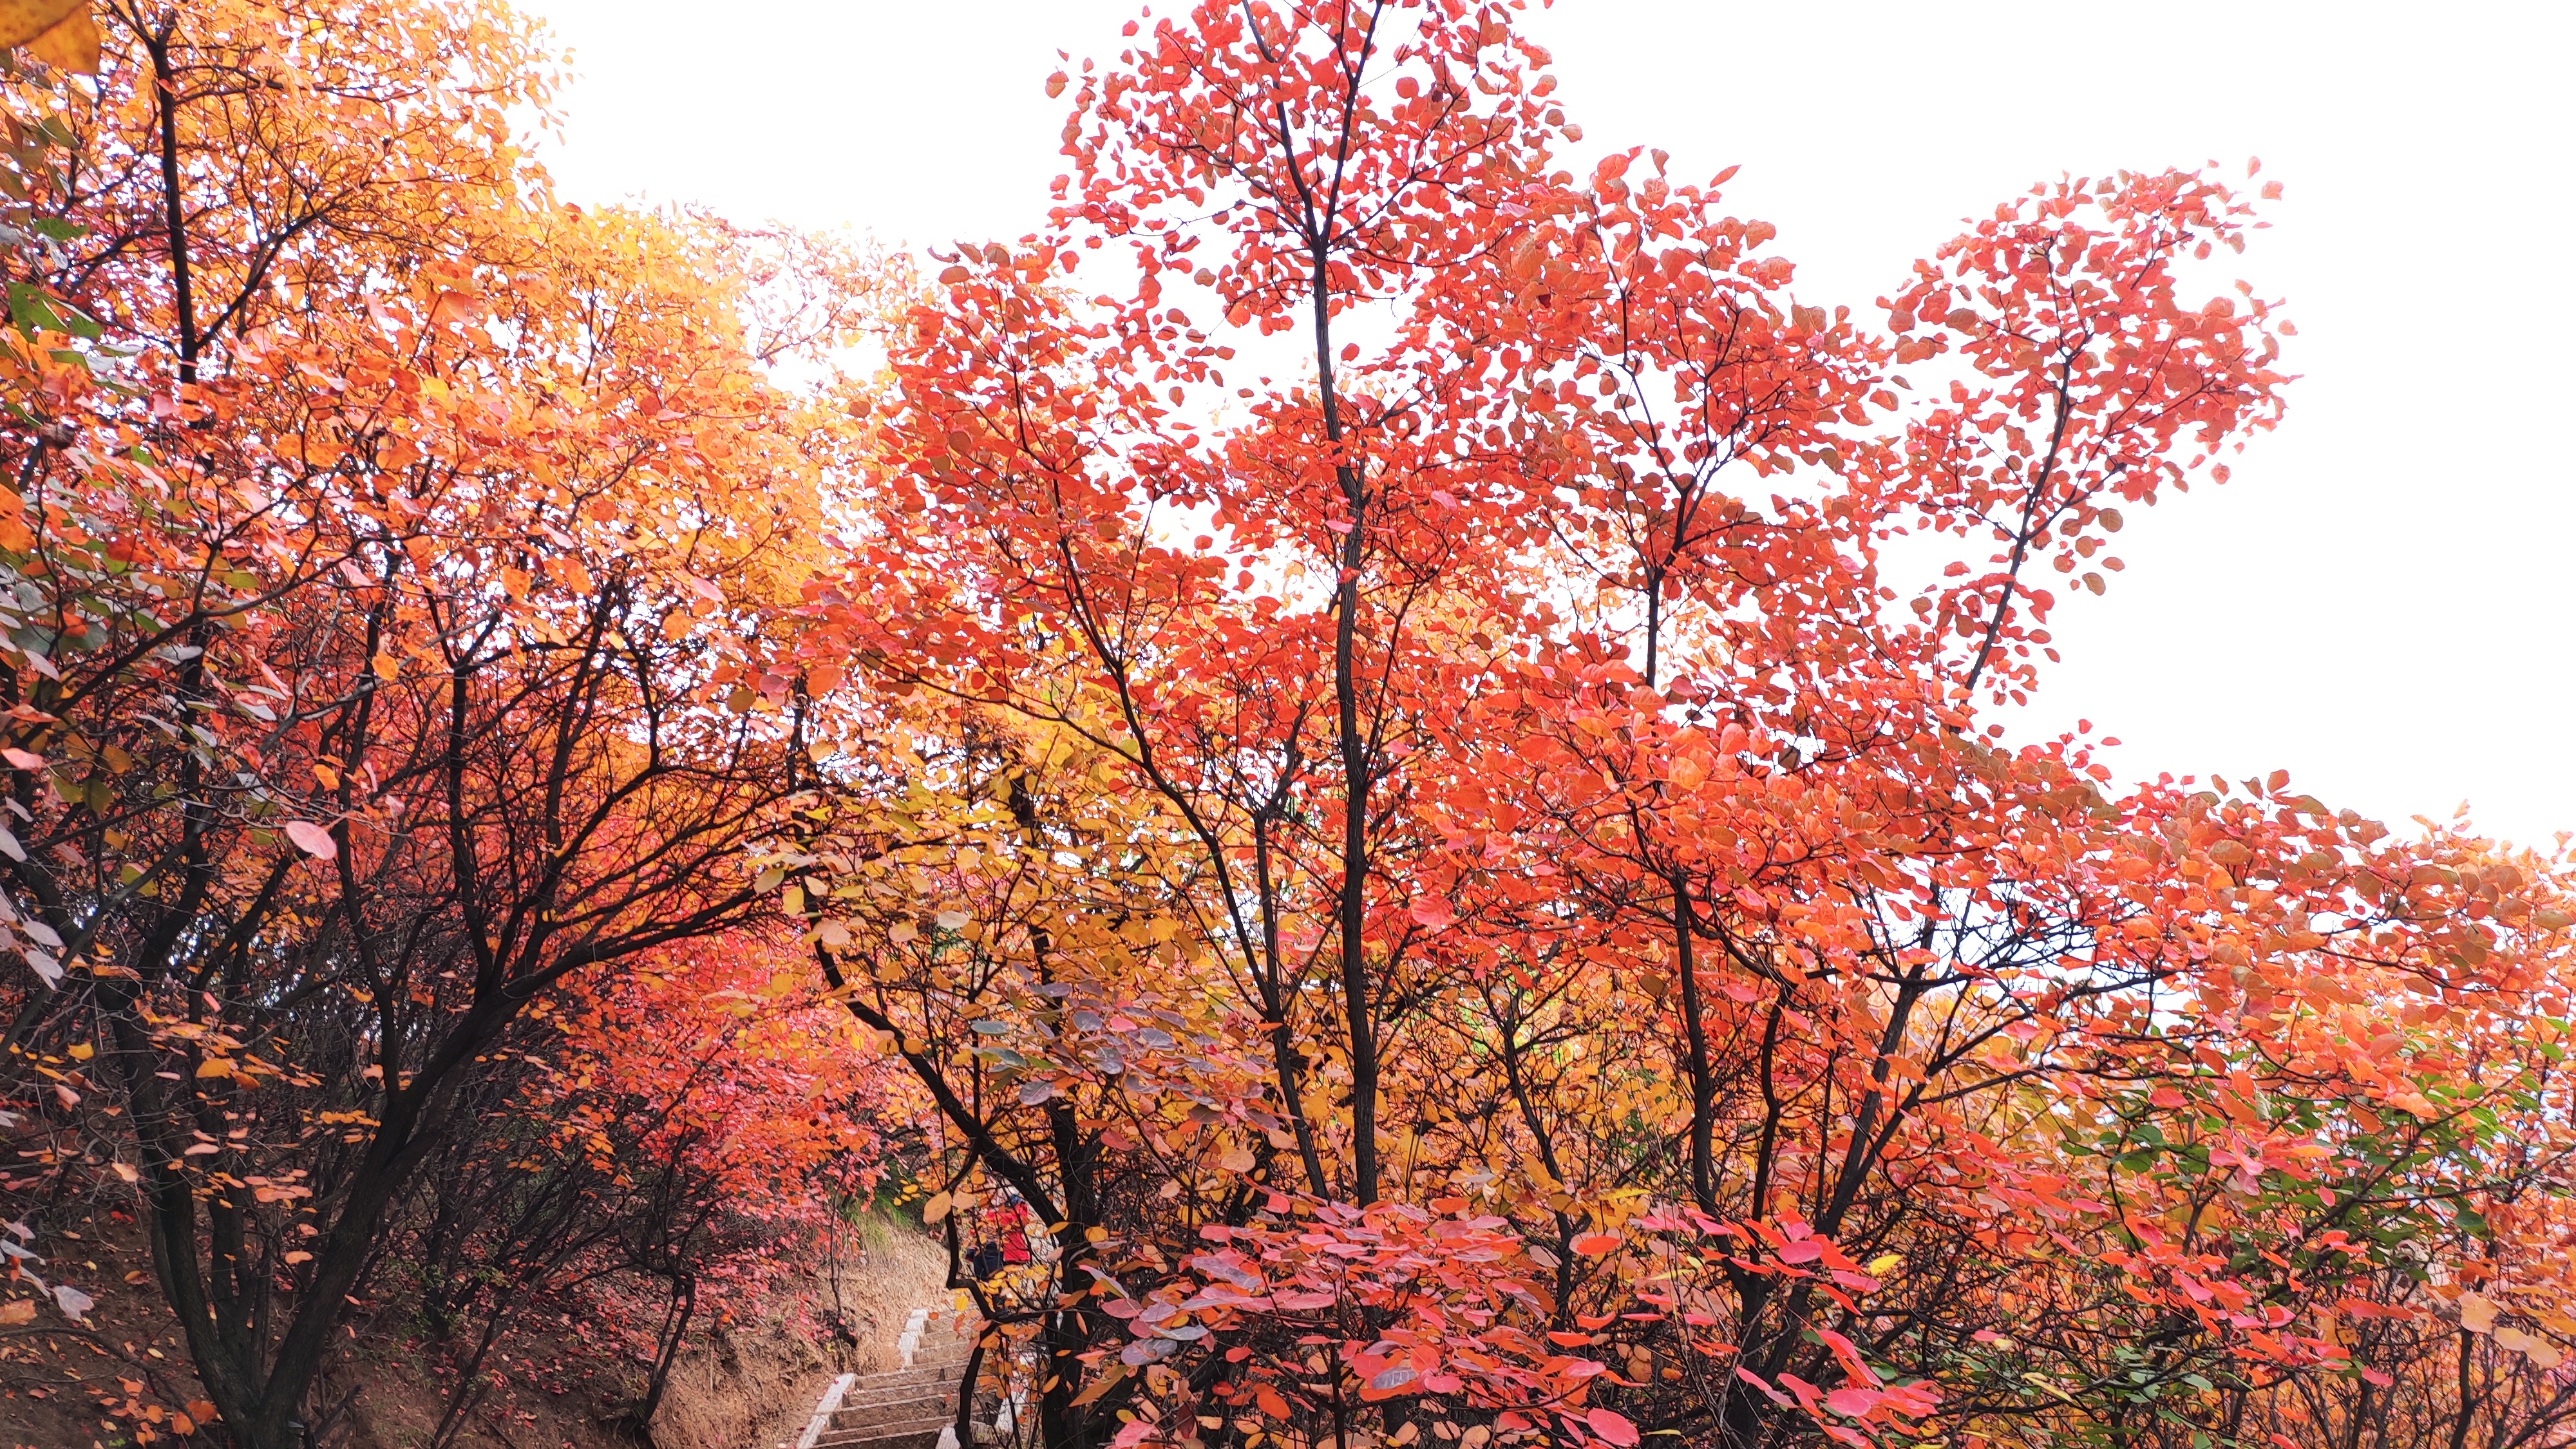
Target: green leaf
[[32, 310]]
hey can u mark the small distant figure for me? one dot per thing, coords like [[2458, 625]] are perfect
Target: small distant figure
[[1011, 1217]]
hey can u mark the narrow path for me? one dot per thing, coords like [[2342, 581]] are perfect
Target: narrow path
[[901, 1408]]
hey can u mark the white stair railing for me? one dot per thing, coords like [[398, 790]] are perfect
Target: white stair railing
[[823, 1411]]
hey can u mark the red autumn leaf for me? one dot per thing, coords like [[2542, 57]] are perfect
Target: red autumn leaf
[[1852, 1403], [1612, 1426]]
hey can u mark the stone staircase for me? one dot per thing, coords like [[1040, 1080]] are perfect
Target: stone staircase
[[913, 1406]]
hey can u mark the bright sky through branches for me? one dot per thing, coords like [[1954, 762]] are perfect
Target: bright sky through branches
[[2377, 603]]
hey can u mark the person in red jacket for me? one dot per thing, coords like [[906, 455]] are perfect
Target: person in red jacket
[[1011, 1221]]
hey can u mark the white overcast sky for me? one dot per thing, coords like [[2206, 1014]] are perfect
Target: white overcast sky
[[2378, 602]]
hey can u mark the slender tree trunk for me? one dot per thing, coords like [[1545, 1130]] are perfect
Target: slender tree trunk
[[675, 1331], [1703, 1082], [1353, 912]]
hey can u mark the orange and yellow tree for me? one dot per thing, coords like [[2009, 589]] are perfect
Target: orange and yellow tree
[[391, 556]]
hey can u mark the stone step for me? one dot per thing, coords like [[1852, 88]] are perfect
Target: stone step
[[903, 1388], [928, 1368], [928, 1363], [905, 1381], [926, 1394], [921, 1434], [892, 1411]]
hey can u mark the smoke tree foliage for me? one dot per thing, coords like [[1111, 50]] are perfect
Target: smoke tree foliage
[[1419, 777], [1386, 727]]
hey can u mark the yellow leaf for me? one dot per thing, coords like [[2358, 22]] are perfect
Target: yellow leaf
[[215, 1067], [70, 45], [23, 20], [1883, 1264], [82, 1052]]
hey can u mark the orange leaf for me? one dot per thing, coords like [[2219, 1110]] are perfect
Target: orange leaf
[[23, 20], [72, 44]]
